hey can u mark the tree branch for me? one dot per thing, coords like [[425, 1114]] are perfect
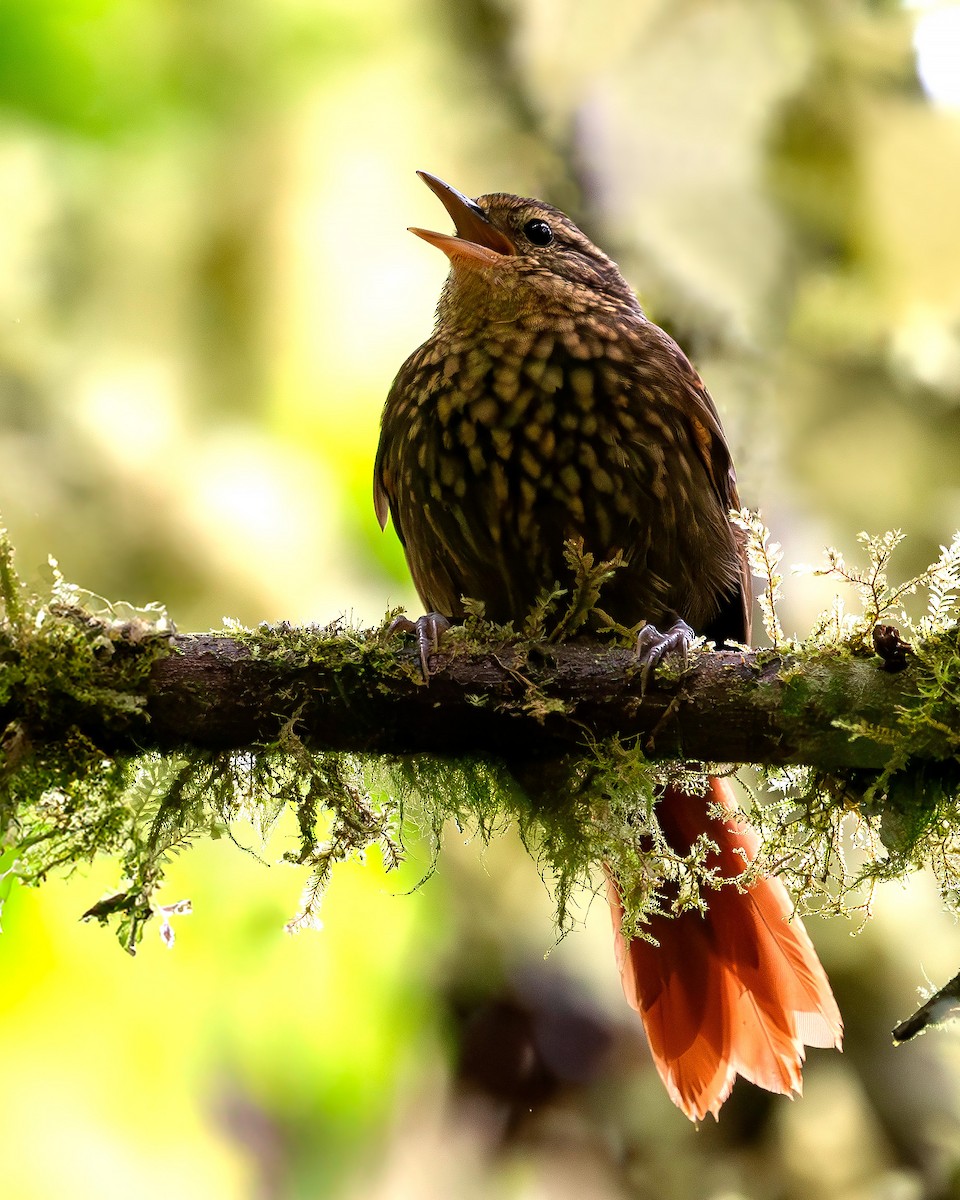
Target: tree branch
[[351, 691], [245, 719]]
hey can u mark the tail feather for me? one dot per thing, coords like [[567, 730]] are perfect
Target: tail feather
[[736, 991]]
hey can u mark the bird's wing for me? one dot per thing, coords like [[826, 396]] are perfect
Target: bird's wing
[[707, 436]]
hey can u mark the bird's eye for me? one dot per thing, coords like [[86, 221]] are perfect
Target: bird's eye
[[538, 232]]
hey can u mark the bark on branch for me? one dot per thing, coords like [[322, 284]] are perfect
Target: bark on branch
[[348, 692]]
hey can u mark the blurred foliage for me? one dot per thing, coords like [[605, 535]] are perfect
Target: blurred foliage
[[206, 290]]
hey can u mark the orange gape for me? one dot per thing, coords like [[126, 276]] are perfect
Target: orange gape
[[738, 990]]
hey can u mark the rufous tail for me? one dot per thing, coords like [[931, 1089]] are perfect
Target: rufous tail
[[738, 990]]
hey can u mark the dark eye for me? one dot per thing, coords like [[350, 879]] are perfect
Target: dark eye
[[538, 232]]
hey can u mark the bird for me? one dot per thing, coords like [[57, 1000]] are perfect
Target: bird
[[544, 407]]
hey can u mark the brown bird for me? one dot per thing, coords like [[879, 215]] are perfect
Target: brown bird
[[544, 407]]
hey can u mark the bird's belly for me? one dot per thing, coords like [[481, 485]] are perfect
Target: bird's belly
[[509, 488]]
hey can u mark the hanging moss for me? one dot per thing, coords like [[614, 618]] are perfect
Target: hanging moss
[[67, 798]]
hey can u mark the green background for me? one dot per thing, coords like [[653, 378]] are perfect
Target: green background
[[205, 289]]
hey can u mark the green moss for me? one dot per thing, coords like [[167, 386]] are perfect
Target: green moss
[[67, 799], [906, 815], [64, 799]]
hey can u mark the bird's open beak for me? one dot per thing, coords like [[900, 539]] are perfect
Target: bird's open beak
[[478, 242]]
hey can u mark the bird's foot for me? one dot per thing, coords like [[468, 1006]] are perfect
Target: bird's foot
[[653, 646], [429, 629]]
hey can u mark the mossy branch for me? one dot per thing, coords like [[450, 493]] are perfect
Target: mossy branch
[[349, 690], [119, 737]]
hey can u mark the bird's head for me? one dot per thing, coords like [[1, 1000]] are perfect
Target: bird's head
[[513, 256]]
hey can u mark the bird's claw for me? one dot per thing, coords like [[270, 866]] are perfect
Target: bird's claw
[[429, 629], [653, 646]]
